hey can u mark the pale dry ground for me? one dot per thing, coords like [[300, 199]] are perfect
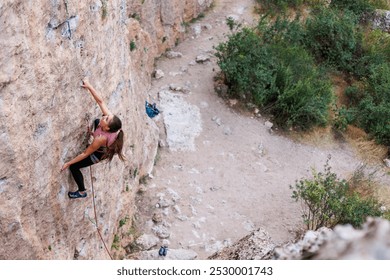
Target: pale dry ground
[[237, 178]]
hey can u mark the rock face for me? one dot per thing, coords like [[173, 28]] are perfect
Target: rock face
[[381, 20], [342, 243], [255, 246], [47, 48]]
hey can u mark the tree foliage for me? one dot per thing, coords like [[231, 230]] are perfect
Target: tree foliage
[[327, 201], [281, 77], [332, 37]]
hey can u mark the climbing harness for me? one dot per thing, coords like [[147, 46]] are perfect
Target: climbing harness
[[151, 109]]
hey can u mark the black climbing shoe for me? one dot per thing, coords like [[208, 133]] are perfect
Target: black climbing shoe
[[76, 194]]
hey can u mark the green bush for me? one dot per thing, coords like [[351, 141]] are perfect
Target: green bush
[[380, 4], [356, 209], [379, 83], [276, 74], [333, 38], [354, 94], [245, 62], [282, 31], [374, 118], [373, 108], [327, 201], [343, 117], [358, 7], [377, 42], [370, 104], [303, 91], [280, 4], [272, 66], [374, 50]]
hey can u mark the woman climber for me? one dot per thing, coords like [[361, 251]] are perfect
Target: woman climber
[[107, 141]]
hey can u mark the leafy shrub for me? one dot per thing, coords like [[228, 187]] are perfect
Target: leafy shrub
[[272, 66], [354, 94], [282, 5], [374, 50], [358, 7], [356, 209], [282, 31], [380, 4], [374, 118], [303, 92], [377, 42], [328, 201], [370, 104], [245, 62], [379, 82], [276, 74], [343, 117], [373, 110], [332, 38]]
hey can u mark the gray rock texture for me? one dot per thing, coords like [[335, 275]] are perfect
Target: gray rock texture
[[371, 242], [182, 121], [381, 20], [255, 246]]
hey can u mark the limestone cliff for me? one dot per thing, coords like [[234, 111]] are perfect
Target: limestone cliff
[[47, 47], [342, 243]]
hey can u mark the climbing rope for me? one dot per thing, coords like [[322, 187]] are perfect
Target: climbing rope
[[87, 118], [94, 208]]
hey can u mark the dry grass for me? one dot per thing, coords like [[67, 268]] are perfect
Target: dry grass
[[364, 181], [356, 133], [383, 194], [339, 86], [367, 183], [367, 149], [317, 136]]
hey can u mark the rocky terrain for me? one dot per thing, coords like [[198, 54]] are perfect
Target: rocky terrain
[[221, 171], [342, 243], [204, 174]]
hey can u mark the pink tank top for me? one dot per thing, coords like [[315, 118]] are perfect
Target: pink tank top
[[110, 136]]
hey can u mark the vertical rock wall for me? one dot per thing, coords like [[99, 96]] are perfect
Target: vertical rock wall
[[47, 47]]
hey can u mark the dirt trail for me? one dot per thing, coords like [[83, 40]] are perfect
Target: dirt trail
[[223, 174]]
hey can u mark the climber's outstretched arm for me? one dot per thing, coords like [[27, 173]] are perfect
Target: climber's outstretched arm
[[97, 97], [96, 144]]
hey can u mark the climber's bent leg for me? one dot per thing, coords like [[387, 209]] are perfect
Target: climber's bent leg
[[76, 173]]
